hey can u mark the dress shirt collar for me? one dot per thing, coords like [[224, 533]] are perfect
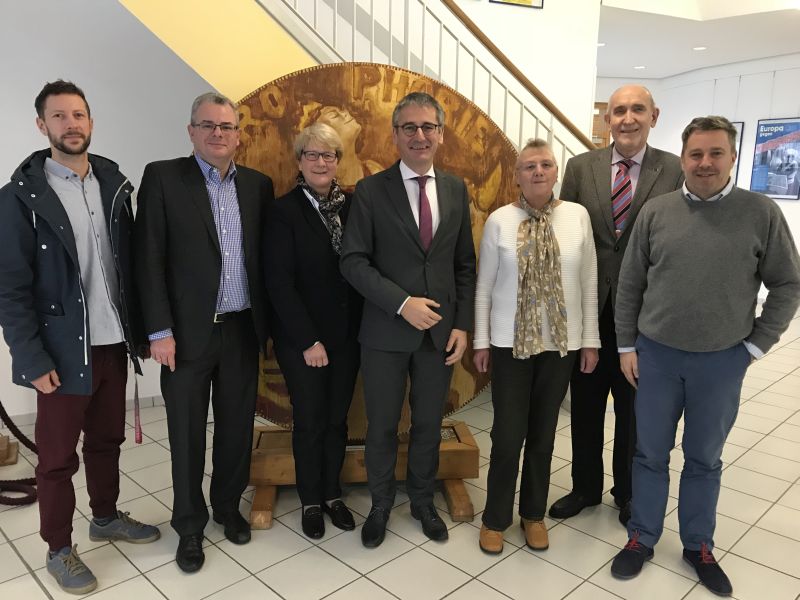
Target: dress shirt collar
[[211, 173], [636, 158], [408, 173], [725, 191], [56, 169]]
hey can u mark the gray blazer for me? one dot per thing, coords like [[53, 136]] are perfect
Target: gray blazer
[[383, 259], [587, 180]]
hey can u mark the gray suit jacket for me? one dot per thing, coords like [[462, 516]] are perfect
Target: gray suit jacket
[[587, 180], [383, 259]]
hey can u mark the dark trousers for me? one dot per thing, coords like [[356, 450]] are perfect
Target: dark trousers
[[526, 396], [705, 387], [385, 375], [227, 370], [320, 399], [60, 418], [589, 394]]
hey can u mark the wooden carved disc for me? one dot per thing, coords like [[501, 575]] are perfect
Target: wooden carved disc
[[357, 100]]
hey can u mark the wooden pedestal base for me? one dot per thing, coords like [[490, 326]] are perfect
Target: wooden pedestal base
[[9, 451], [273, 465]]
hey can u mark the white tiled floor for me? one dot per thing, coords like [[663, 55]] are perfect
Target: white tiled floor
[[758, 528]]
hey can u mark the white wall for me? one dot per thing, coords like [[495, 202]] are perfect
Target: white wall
[[139, 92], [748, 91], [556, 48]]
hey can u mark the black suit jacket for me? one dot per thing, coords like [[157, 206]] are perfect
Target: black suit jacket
[[587, 180], [310, 299], [383, 258], [178, 257]]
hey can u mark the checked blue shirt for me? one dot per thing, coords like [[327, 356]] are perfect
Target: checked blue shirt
[[233, 294]]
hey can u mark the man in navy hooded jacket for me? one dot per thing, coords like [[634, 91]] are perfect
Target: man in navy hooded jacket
[[70, 319]]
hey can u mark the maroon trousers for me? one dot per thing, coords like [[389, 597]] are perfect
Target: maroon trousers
[[60, 419]]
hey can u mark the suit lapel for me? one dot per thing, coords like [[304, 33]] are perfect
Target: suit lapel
[[311, 215], [445, 201], [648, 175], [601, 170], [399, 199], [193, 179]]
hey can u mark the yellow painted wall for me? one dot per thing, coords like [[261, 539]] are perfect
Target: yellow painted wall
[[235, 45]]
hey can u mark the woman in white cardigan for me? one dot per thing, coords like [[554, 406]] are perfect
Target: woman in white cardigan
[[535, 315]]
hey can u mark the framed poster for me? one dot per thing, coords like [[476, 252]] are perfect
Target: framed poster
[[739, 129], [776, 159], [529, 3]]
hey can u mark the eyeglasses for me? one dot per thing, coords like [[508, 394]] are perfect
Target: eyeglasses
[[410, 129], [313, 156], [209, 127]]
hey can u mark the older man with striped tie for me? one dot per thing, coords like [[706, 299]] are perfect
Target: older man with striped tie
[[613, 184]]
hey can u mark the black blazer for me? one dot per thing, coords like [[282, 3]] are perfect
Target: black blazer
[[178, 257], [309, 298], [587, 181], [382, 257]]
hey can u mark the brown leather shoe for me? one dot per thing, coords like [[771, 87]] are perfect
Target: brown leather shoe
[[535, 534], [491, 541]]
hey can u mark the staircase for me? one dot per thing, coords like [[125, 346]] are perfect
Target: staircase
[[436, 38]]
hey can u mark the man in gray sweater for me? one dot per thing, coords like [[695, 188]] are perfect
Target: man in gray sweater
[[687, 331]]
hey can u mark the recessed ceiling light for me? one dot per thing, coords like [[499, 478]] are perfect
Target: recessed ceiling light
[[700, 48], [600, 44], [639, 67]]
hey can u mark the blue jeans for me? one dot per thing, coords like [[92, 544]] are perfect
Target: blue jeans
[[705, 387]]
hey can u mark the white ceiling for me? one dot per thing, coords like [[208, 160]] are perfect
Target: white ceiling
[[663, 44]]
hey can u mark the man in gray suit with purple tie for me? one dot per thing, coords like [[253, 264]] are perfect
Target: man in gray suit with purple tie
[[408, 250]]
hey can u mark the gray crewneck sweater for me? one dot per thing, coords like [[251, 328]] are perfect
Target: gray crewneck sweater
[[692, 272]]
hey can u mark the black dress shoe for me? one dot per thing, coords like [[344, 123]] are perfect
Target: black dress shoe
[[374, 529], [625, 513], [190, 555], [340, 515], [708, 571], [313, 524], [237, 529], [432, 524], [570, 505]]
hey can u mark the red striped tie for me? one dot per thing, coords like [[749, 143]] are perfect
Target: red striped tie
[[621, 194]]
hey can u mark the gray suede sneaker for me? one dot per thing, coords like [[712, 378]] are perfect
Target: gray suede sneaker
[[123, 529], [69, 571]]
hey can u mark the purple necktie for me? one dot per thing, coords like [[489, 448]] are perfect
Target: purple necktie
[[425, 218], [621, 194]]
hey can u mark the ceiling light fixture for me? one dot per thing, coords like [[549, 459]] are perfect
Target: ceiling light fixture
[[700, 48], [639, 67]]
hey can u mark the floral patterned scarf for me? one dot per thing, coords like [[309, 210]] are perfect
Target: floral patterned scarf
[[538, 283]]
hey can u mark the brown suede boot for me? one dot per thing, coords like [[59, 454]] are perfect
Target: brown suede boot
[[491, 541], [535, 534]]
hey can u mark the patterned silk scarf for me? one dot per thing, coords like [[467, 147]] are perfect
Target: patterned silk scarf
[[538, 283], [329, 207]]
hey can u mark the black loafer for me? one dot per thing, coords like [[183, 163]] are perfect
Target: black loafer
[[570, 505], [708, 571], [374, 529], [340, 515], [190, 555], [237, 529], [313, 524], [432, 524]]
